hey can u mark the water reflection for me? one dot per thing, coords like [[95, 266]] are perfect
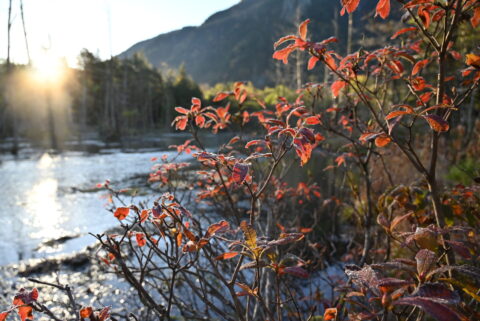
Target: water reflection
[[45, 212], [51, 196], [45, 161]]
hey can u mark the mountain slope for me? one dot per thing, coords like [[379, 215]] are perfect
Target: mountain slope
[[236, 44]]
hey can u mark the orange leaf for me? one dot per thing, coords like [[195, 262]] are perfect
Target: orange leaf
[[253, 142], [473, 60], [283, 54], [121, 213], [226, 256], [330, 314], [189, 235], [382, 140], [475, 20], [144, 215], [181, 110], [424, 15], [196, 102], [302, 29], [179, 239], [418, 83], [3, 316], [396, 113], [86, 312], [312, 62], [283, 39], [181, 123], [350, 5], [141, 241], [25, 312], [200, 121], [337, 86], [330, 61], [419, 66], [313, 120], [221, 96], [402, 31], [437, 123], [383, 8], [216, 228]]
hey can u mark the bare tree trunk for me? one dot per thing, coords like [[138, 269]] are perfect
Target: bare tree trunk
[[9, 69], [51, 120], [25, 32]]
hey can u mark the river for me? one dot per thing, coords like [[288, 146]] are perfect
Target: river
[[49, 196]]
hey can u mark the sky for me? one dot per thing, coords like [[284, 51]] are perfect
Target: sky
[[105, 27]]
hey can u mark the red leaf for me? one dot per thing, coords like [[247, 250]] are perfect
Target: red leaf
[[200, 121], [455, 55], [181, 110], [313, 120], [25, 312], [181, 122], [302, 29], [196, 102], [382, 140], [219, 227], [226, 256], [350, 5], [283, 39], [475, 20], [296, 271], [253, 142], [121, 213], [383, 8], [3, 316], [86, 312], [141, 241], [33, 295], [144, 215], [312, 62], [221, 96], [419, 66], [424, 15], [240, 172], [303, 149], [402, 31], [437, 123], [438, 311], [418, 83], [337, 86], [396, 66], [283, 54], [437, 291], [396, 113], [330, 314], [104, 314]]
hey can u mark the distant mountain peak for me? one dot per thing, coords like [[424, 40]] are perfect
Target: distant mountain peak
[[237, 43]]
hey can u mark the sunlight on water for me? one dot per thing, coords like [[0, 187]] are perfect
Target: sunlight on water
[[46, 197], [45, 161], [44, 209]]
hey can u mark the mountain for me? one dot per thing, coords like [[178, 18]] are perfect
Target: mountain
[[237, 43]]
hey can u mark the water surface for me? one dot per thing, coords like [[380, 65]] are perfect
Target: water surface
[[44, 197]]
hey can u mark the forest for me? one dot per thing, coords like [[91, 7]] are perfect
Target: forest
[[349, 189]]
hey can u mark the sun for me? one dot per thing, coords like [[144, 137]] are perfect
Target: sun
[[48, 68]]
